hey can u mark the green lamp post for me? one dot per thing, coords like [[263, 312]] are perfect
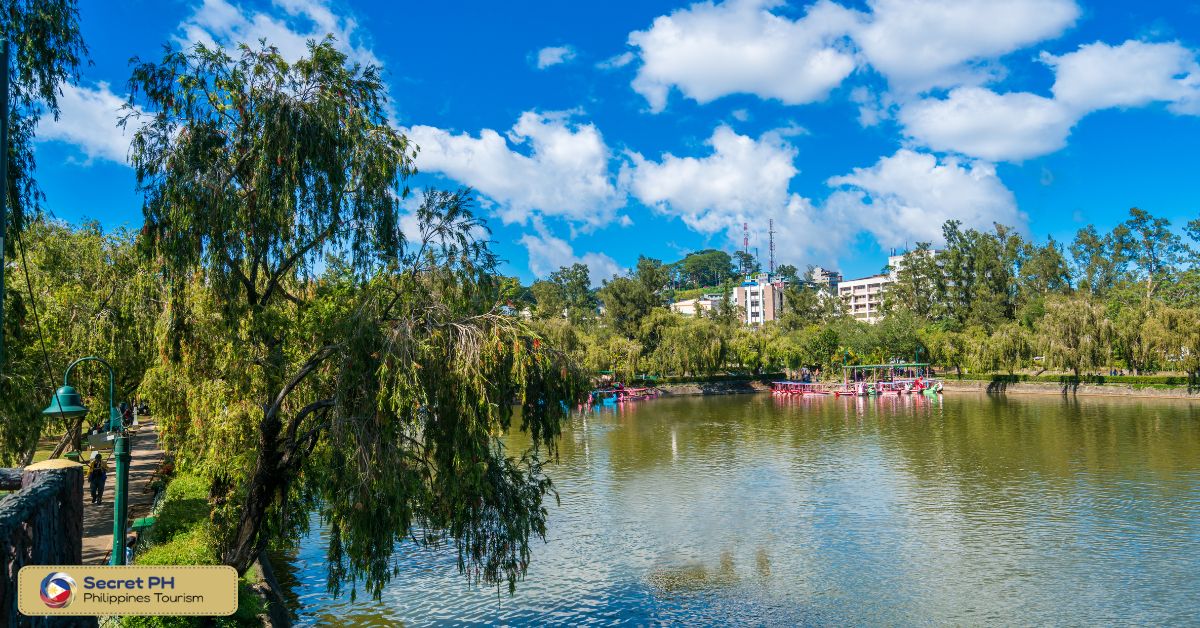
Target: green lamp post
[[68, 404]]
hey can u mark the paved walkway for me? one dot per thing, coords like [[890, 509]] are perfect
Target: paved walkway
[[145, 458]]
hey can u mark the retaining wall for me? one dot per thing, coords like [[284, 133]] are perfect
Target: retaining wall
[[714, 388], [1054, 388]]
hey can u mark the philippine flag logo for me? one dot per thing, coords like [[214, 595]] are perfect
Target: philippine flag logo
[[58, 589]]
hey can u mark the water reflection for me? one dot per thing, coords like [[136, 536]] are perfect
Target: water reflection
[[899, 510]]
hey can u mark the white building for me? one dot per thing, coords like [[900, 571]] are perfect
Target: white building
[[693, 307], [863, 297]]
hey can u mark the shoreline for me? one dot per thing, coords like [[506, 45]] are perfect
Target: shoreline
[[684, 389], [1066, 389]]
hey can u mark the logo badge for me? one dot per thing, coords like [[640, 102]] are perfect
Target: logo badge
[[58, 589]]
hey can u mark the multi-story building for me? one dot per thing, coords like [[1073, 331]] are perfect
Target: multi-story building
[[863, 298], [824, 278], [760, 298]]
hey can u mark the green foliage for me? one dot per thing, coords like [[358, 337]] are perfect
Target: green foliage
[[94, 296], [184, 506], [746, 263], [1152, 247], [1075, 334], [375, 392], [789, 273], [709, 267], [567, 293], [182, 535], [1173, 334], [628, 300], [692, 293], [988, 301], [1099, 259], [47, 50]]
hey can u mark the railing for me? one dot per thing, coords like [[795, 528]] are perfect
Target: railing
[[40, 524]]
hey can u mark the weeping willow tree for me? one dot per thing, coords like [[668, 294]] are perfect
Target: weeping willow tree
[[46, 49], [312, 355], [94, 296], [1075, 335]]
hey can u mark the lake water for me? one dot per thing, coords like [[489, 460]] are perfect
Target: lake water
[[756, 510]]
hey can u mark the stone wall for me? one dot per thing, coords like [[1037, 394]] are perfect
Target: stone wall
[[1054, 388], [714, 388]]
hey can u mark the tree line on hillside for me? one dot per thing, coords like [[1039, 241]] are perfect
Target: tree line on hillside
[[988, 300]]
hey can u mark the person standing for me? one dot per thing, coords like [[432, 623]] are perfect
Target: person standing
[[97, 474]]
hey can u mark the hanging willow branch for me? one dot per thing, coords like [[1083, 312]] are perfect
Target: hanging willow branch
[[374, 390]]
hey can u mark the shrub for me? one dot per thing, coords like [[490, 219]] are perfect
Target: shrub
[[182, 535]]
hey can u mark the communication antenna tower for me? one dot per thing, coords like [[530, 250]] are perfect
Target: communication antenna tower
[[771, 234], [745, 245]]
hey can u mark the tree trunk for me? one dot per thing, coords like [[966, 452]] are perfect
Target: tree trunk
[[72, 437], [30, 452], [260, 492]]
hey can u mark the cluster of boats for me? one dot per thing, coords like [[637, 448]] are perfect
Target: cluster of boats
[[621, 394], [870, 380], [919, 386]]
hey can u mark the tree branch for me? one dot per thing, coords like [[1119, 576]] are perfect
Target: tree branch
[[291, 261], [311, 365], [289, 458]]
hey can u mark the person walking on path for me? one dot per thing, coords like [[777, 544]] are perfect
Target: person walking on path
[[97, 474]]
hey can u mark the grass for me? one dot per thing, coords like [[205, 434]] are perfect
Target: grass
[[182, 535]]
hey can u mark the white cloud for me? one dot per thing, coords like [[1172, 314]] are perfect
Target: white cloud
[[565, 173], [617, 61], [554, 55], [981, 123], [740, 177], [223, 23], [873, 107], [88, 120], [907, 197], [742, 180], [1133, 74], [1015, 126], [548, 253], [918, 44], [711, 50]]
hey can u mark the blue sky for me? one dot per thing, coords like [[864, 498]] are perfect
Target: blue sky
[[598, 131]]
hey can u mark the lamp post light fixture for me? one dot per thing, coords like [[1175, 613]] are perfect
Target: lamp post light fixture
[[68, 404]]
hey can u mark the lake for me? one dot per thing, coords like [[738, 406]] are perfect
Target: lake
[[757, 510]]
